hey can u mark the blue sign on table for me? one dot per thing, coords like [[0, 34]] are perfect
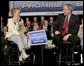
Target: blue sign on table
[[38, 37]]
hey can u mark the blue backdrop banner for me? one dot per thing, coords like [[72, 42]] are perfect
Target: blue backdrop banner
[[45, 7]]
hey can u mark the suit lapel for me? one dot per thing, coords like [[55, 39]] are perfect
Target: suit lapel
[[70, 22], [15, 25], [62, 20]]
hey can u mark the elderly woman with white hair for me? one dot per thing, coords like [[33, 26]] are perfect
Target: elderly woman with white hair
[[16, 32]]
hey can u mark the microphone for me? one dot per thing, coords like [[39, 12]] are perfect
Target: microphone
[[14, 23], [20, 22]]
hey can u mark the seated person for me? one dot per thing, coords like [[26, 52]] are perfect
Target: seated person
[[16, 33], [28, 26], [50, 44], [45, 27], [36, 50], [80, 34], [66, 27]]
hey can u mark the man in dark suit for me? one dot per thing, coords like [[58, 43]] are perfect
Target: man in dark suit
[[66, 27]]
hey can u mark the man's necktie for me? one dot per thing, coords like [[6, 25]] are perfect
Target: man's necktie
[[65, 26]]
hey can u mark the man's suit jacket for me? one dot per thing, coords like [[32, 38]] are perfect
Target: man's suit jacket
[[73, 26]]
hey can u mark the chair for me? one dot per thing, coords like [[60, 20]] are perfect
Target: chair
[[75, 49], [50, 53], [50, 56], [12, 53]]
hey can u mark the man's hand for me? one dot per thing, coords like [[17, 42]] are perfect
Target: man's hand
[[65, 38], [57, 32]]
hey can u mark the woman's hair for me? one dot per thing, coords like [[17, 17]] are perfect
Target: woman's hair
[[13, 10]]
